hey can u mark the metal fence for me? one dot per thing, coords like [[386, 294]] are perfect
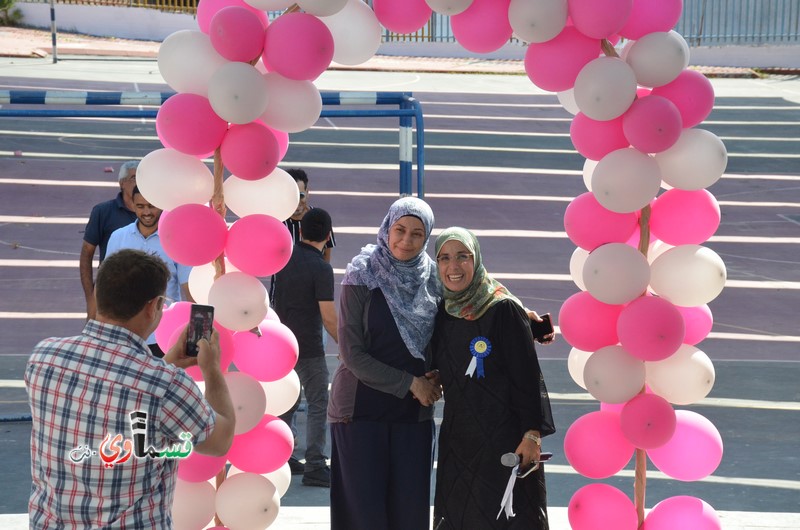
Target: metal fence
[[703, 23]]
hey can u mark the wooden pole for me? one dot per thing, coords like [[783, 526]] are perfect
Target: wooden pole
[[640, 474]]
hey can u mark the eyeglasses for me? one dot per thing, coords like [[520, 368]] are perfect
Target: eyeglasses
[[302, 195], [163, 302], [461, 258]]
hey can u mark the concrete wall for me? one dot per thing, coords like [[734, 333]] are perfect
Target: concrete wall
[[150, 24]]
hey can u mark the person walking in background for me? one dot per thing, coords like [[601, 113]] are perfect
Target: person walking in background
[[105, 218], [142, 234], [495, 399], [381, 403], [304, 303], [84, 389]]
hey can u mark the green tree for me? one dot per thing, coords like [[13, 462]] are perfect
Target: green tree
[[9, 15]]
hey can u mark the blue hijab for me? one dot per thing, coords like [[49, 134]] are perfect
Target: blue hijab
[[411, 288]]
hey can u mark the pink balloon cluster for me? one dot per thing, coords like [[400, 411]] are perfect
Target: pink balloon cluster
[[635, 118]]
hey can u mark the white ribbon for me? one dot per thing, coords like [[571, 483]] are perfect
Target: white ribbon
[[473, 365], [507, 504]]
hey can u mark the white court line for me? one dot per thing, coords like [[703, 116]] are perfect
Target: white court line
[[368, 230]]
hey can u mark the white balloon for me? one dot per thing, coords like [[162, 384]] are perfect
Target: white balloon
[[696, 161], [576, 264], [281, 478], [684, 378], [616, 273], [187, 61], [270, 5], [168, 178], [282, 394], [626, 180], [237, 93], [322, 8], [249, 400], [657, 248], [449, 7], [576, 362], [567, 100], [658, 58], [201, 278], [247, 501], [193, 504], [239, 300], [612, 375], [588, 170], [688, 275], [537, 21], [356, 33], [294, 106], [605, 88], [276, 195]]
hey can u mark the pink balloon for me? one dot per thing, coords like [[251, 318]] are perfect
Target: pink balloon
[[693, 452], [281, 137], [681, 217], [616, 408], [652, 124], [227, 351], [601, 507], [199, 468], [648, 16], [174, 318], [698, 321], [599, 19], [193, 234], [187, 123], [269, 357], [406, 16], [692, 93], [298, 46], [650, 328], [272, 315], [554, 65], [595, 139], [250, 151], [264, 448], [483, 27], [259, 245], [595, 445], [648, 421], [211, 7], [587, 323], [237, 33], [589, 224], [682, 512]]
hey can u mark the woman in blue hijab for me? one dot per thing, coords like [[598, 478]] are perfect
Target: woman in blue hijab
[[381, 402]]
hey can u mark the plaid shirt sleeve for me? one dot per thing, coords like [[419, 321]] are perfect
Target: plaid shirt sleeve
[[186, 410]]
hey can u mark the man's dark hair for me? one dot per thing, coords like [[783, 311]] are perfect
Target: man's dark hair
[[136, 190], [315, 225], [299, 175], [126, 281]]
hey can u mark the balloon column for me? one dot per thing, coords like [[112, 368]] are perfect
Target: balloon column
[[244, 83]]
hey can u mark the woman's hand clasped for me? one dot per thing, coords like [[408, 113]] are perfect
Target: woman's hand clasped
[[425, 390]]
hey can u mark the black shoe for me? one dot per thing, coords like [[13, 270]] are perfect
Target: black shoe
[[320, 477], [297, 467]]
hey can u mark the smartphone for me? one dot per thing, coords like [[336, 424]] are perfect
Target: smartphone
[[524, 471], [201, 322], [543, 328]]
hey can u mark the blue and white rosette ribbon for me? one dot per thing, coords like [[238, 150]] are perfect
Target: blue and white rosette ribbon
[[479, 348]]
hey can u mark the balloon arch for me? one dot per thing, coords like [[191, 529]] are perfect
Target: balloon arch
[[645, 279]]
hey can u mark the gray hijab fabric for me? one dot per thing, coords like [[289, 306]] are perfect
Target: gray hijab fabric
[[411, 288]]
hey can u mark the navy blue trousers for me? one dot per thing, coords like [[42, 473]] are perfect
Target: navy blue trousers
[[381, 475]]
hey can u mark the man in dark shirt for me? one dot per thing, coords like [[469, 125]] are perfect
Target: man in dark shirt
[[105, 218], [304, 303]]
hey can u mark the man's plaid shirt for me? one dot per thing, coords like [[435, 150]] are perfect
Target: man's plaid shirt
[[82, 388]]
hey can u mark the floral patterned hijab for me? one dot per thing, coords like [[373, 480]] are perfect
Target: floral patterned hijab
[[411, 288], [483, 291]]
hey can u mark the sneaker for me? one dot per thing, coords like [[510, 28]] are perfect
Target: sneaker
[[320, 477], [297, 467]]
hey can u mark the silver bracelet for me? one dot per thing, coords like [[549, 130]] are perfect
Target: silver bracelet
[[534, 438]]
